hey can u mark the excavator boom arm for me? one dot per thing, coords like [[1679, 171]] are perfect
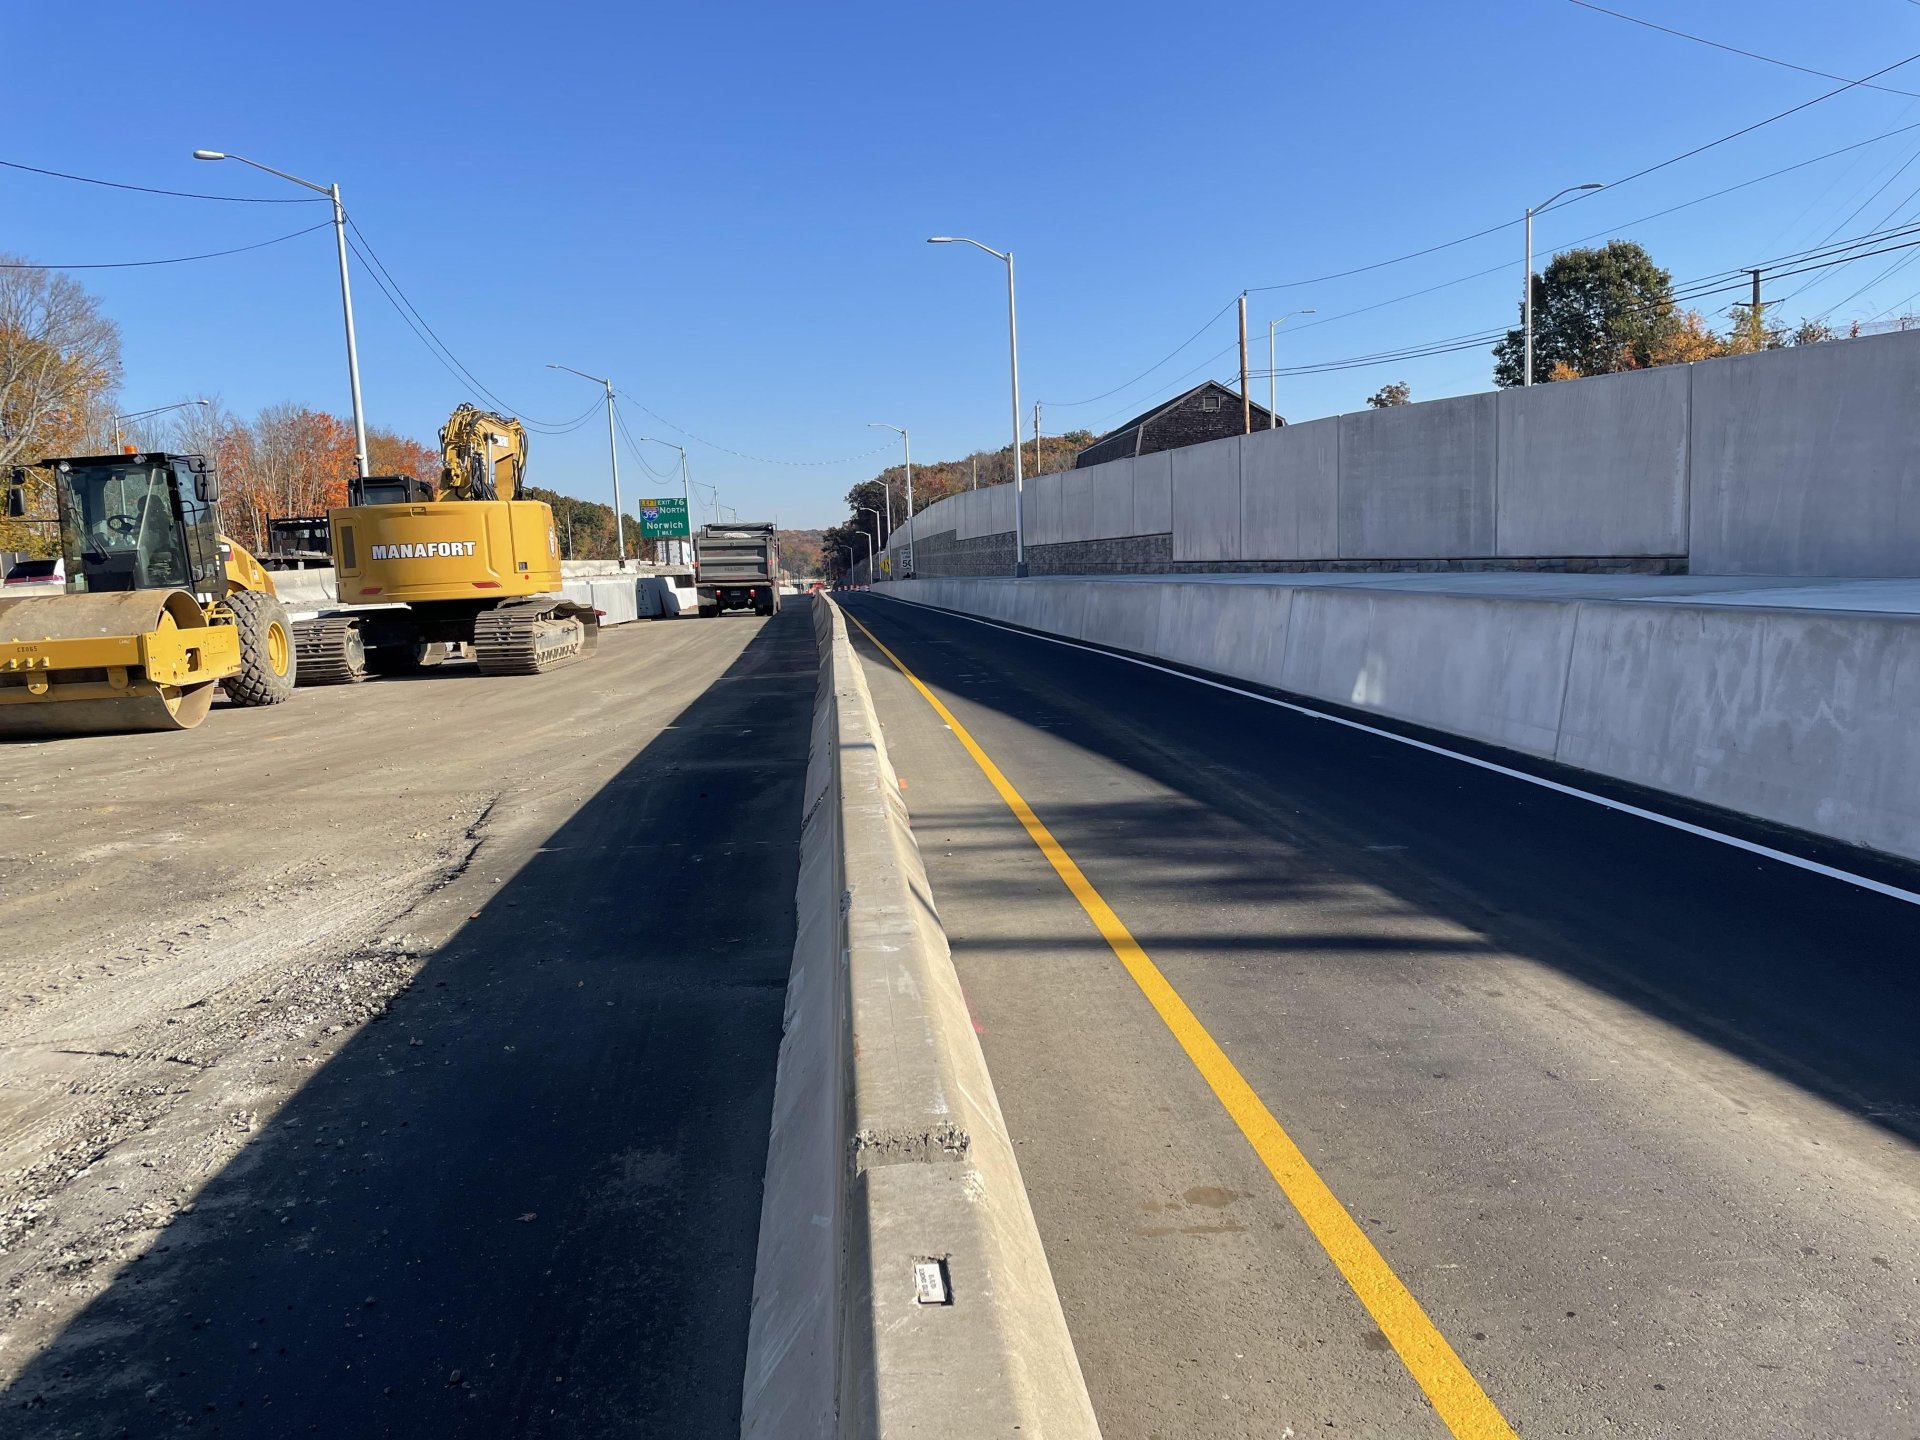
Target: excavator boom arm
[[482, 455]]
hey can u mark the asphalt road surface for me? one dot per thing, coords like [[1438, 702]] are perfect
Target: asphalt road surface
[[398, 1061], [1631, 1114]]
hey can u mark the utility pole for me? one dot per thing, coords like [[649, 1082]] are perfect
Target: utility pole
[[332, 192], [976, 474], [1036, 437], [1759, 332], [1246, 400]]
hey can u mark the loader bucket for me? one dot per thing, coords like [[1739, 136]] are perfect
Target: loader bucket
[[96, 664]]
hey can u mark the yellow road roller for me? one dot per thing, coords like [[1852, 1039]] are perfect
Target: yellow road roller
[[159, 606]]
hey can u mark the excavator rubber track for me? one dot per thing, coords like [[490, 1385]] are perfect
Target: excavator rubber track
[[534, 635], [330, 651]]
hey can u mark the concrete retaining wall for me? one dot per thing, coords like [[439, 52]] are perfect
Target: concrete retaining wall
[[1800, 461], [1800, 717], [888, 1148], [1805, 461]]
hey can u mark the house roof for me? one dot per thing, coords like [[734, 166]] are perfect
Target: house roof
[[1139, 422], [1166, 405]]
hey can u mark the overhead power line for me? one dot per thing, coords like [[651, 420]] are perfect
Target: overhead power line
[[1749, 129], [452, 366], [1092, 399], [397, 297], [179, 194], [170, 260], [1734, 49], [1588, 194], [1723, 283], [639, 455], [743, 455], [1503, 265]]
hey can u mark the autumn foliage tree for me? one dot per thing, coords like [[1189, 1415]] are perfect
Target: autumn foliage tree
[[59, 369], [393, 454]]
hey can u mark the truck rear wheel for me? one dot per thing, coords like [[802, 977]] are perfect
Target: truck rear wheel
[[267, 663]]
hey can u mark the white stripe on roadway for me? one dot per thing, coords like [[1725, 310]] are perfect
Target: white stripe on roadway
[[1672, 822]]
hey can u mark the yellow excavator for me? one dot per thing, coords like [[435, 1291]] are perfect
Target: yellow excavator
[[465, 562], [159, 606]]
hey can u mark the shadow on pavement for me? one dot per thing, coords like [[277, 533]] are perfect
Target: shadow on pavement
[[526, 1201], [1804, 976]]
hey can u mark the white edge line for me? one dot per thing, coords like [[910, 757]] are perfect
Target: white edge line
[[1798, 861]]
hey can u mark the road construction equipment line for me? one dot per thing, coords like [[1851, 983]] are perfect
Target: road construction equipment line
[[1456, 1395], [1800, 862]]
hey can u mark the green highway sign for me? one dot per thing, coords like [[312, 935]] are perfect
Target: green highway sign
[[664, 520]]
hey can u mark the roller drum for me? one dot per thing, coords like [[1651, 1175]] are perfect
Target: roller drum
[[82, 702]]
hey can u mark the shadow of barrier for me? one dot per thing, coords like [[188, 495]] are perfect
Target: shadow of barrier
[[900, 1287]]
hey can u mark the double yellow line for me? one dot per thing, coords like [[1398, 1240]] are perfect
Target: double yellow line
[[1456, 1395]]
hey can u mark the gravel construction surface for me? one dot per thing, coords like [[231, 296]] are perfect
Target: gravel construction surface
[[399, 1059]]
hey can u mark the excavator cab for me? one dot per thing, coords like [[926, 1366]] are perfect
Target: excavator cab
[[389, 490], [139, 522]]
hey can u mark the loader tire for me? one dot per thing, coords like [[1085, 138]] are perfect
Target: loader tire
[[267, 662]]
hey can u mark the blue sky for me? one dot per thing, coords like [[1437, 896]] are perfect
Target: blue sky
[[724, 207]]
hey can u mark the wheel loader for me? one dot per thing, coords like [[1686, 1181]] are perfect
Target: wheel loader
[[464, 562], [159, 606]]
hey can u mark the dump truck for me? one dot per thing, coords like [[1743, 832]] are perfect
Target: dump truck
[[464, 561], [737, 567], [158, 607]]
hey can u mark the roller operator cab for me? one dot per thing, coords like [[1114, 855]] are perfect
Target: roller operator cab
[[157, 609]]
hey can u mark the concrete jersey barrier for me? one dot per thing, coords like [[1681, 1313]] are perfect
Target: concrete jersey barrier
[[900, 1285]]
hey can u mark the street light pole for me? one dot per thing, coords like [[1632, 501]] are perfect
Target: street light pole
[[332, 192], [613, 456], [907, 444], [1526, 303], [1273, 399], [862, 535], [143, 414], [1013, 366]]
